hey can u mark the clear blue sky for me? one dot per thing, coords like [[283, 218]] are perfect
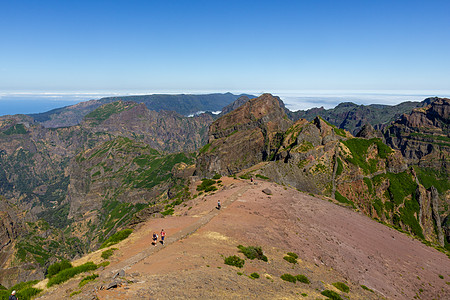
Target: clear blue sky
[[224, 45]]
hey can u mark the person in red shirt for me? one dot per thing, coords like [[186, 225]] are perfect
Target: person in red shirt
[[163, 235]]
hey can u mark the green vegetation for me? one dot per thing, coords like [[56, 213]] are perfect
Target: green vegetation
[[288, 277], [359, 147], [304, 294], [168, 212], [340, 167], [342, 287], [290, 259], [105, 111], [216, 176], [292, 254], [245, 176], [67, 274], [108, 253], [430, 177], [262, 177], [74, 293], [204, 149], [254, 275], [207, 185], [252, 252], [103, 264], [234, 261], [24, 290], [58, 267], [331, 295], [304, 146], [302, 278], [342, 199], [87, 279], [368, 182], [16, 129], [339, 131], [367, 289], [116, 238], [441, 277]]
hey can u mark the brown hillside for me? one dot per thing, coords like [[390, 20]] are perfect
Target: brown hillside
[[334, 244]]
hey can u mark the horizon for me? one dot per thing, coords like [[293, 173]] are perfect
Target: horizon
[[233, 45], [30, 102]]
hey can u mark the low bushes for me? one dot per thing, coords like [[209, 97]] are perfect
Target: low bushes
[[58, 267], [341, 286], [116, 237], [252, 252], [302, 278], [24, 290], [66, 274], [289, 277], [291, 257], [254, 275], [87, 279], [234, 261], [331, 295], [207, 185], [107, 253]]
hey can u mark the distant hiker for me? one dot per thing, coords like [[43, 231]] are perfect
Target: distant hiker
[[251, 179], [13, 296], [154, 239], [218, 205], [163, 235]]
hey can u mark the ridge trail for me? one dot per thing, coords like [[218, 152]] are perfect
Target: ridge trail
[[179, 235]]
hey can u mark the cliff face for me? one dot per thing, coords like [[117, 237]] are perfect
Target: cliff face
[[246, 136]]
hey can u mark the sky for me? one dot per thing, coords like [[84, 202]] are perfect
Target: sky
[[183, 46]]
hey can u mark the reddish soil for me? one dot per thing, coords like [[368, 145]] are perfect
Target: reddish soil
[[334, 244]]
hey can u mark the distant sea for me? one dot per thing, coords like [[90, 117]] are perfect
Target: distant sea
[[29, 103]]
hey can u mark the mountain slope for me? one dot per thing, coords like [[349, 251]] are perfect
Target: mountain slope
[[334, 244]]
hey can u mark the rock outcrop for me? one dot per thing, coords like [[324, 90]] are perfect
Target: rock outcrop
[[244, 137]]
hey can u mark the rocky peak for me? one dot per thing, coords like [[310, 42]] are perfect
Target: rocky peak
[[236, 104], [368, 132], [244, 137]]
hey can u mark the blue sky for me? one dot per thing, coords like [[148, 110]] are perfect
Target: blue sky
[[184, 46]]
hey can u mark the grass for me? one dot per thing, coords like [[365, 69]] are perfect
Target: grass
[[340, 167], [252, 252], [359, 147], [342, 199], [254, 275], [107, 253], [341, 286], [105, 111], [87, 279], [67, 274], [235, 261], [116, 238], [288, 277], [58, 267], [302, 278], [331, 295], [103, 264], [24, 290]]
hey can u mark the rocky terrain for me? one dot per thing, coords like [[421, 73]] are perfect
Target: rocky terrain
[[66, 190]]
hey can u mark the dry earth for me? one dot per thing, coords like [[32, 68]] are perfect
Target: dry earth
[[334, 244]]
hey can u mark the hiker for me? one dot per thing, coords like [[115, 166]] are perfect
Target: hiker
[[218, 205], [154, 239], [163, 235], [251, 179], [13, 296]]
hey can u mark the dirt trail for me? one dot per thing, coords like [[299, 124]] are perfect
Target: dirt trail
[[180, 234]]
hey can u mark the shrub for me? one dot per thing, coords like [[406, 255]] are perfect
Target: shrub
[[66, 274], [167, 212], [58, 267], [331, 295], [103, 264], [107, 253], [441, 277], [207, 185], [302, 278], [28, 293], [341, 286], [289, 277], [290, 259], [87, 279], [262, 177], [292, 254], [254, 275], [367, 289], [304, 294], [252, 252], [116, 237], [216, 176], [74, 293], [234, 261]]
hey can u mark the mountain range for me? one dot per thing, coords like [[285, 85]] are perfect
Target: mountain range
[[73, 177]]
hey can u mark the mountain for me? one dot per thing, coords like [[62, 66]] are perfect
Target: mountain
[[182, 104], [352, 117]]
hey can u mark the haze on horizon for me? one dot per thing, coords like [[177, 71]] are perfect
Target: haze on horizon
[[224, 45]]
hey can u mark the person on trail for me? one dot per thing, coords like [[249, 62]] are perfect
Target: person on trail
[[218, 205], [163, 235], [13, 296], [251, 179], [154, 239]]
